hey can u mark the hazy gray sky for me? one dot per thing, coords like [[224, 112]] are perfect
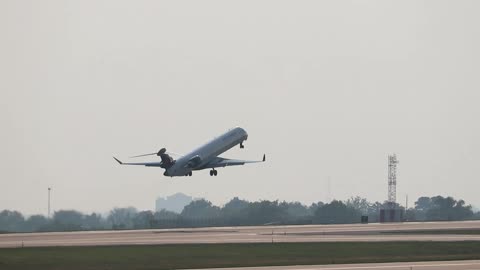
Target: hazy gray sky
[[325, 88]]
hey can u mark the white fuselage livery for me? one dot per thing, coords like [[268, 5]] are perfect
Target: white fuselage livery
[[208, 152], [204, 157]]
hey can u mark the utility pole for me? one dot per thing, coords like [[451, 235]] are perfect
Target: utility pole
[[49, 189], [329, 190]]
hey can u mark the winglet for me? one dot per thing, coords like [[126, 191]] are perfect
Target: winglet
[[263, 158], [119, 162]]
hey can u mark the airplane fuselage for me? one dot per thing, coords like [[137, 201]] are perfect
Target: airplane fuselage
[[206, 156], [200, 157]]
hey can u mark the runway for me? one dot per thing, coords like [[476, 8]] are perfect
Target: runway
[[253, 234], [442, 265]]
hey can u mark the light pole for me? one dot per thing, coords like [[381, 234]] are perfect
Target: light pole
[[49, 189]]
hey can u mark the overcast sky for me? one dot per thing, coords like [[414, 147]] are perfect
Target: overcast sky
[[327, 89]]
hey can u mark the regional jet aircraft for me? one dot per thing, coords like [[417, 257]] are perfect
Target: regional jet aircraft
[[204, 157]]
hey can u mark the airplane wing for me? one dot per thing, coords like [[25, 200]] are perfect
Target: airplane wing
[[147, 164], [224, 162]]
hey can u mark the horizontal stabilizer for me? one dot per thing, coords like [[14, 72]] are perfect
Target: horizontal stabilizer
[[144, 155], [147, 164], [119, 162]]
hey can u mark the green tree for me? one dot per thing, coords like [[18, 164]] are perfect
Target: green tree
[[296, 210], [165, 219], [235, 212], [313, 207], [422, 205], [200, 209], [68, 220], [93, 221], [336, 212], [11, 221], [165, 215], [448, 209], [143, 220], [360, 204], [266, 212], [36, 223], [122, 218]]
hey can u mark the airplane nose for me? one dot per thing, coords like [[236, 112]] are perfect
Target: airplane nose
[[244, 132]]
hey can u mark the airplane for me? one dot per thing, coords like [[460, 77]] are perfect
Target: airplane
[[204, 157]]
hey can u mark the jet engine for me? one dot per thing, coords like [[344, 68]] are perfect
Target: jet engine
[[194, 161]]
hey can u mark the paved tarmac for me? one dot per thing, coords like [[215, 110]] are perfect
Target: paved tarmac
[[253, 234], [442, 265]]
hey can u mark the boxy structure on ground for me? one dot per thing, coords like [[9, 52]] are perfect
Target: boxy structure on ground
[[391, 215]]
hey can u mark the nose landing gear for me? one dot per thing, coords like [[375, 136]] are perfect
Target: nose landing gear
[[213, 172], [241, 145]]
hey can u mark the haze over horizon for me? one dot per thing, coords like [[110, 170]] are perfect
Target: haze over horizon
[[327, 89]]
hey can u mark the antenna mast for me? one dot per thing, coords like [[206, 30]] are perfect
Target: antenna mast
[[392, 179]]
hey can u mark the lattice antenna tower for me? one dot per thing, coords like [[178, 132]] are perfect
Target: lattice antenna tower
[[392, 179]]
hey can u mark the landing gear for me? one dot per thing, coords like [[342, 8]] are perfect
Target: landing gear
[[213, 172], [188, 174], [241, 145]]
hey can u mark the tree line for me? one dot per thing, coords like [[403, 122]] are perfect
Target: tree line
[[236, 212]]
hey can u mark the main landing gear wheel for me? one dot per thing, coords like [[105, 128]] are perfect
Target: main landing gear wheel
[[241, 145], [213, 172], [188, 174]]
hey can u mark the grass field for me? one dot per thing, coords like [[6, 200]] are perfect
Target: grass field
[[230, 255]]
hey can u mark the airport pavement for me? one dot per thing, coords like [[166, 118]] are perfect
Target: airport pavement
[[252, 234], [441, 265]]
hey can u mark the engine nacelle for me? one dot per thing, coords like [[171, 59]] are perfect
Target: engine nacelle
[[194, 161], [167, 160]]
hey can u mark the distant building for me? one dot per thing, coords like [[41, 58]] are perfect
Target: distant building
[[174, 203]]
